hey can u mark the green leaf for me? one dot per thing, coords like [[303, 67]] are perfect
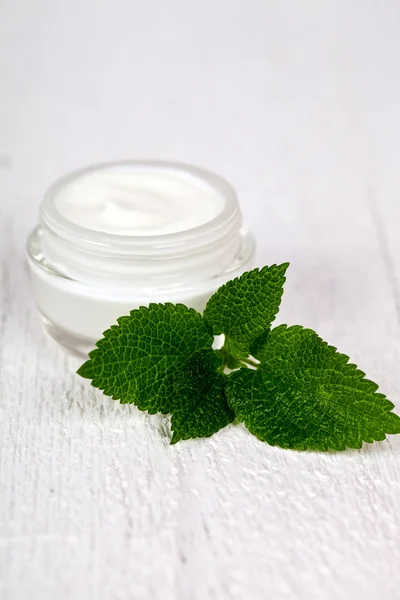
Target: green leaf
[[137, 359], [305, 395], [201, 407], [246, 306]]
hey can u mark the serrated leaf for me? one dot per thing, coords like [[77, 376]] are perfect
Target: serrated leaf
[[246, 306], [306, 395], [201, 407], [136, 360]]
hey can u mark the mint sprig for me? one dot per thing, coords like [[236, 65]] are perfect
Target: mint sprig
[[287, 386]]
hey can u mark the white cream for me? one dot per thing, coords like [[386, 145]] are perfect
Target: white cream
[[118, 236], [138, 202]]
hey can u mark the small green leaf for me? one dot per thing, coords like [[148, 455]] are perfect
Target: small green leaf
[[136, 360], [246, 306], [201, 408], [305, 395]]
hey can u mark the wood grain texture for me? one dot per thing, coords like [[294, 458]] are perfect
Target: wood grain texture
[[296, 104]]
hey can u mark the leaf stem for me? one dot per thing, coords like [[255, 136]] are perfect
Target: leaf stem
[[250, 362], [232, 363], [221, 368]]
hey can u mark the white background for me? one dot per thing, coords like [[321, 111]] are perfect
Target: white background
[[297, 104]]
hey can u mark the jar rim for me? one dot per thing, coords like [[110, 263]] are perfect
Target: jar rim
[[54, 220]]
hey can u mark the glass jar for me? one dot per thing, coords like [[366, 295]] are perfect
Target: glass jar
[[85, 277]]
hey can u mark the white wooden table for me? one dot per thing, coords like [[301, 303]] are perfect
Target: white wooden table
[[297, 103]]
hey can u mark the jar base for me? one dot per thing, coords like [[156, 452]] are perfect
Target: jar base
[[74, 345]]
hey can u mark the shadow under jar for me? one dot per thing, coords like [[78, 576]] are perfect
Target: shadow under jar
[[113, 237]]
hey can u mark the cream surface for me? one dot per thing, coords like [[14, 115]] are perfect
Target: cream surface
[[138, 202]]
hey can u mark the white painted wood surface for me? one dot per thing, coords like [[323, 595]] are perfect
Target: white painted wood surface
[[297, 103]]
